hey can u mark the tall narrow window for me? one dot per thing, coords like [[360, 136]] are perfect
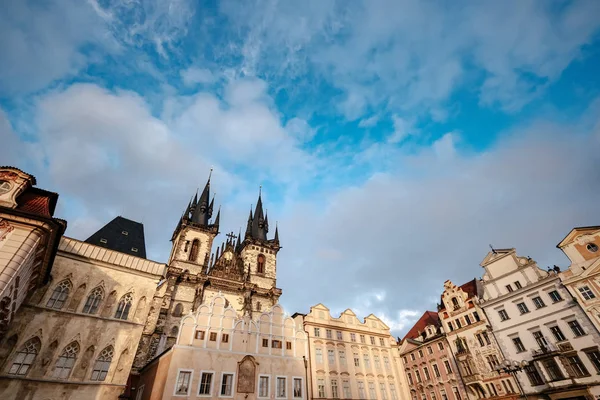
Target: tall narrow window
[[93, 301], [331, 356], [124, 306], [346, 388], [227, 385], [281, 387], [183, 382], [334, 389], [321, 387], [64, 364], [59, 295], [533, 375], [263, 386], [297, 388], [25, 357], [372, 392], [194, 250], [361, 390], [102, 364], [319, 355], [383, 391], [518, 344], [576, 328], [206, 384], [393, 391], [260, 264], [447, 366]]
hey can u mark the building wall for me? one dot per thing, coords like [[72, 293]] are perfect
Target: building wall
[[435, 351], [246, 339], [82, 267], [474, 357], [544, 311], [340, 341]]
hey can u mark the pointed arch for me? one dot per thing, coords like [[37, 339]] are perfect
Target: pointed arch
[[139, 310], [193, 256], [121, 364], [178, 311], [124, 307], [60, 294], [86, 358], [102, 364], [260, 263], [110, 303], [77, 296], [93, 300], [25, 357], [66, 361], [174, 331]]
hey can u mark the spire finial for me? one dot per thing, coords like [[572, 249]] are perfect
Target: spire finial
[[210, 173], [259, 190]]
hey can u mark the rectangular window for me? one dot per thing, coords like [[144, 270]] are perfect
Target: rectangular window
[[205, 384], [522, 308], [450, 326], [334, 389], [540, 339], [429, 350], [353, 337], [503, 315], [554, 372], [265, 342], [533, 375], [432, 395], [518, 285], [361, 390], [263, 387], [412, 356], [420, 353], [225, 338], [393, 391], [538, 302], [328, 334], [486, 338], [319, 355], [555, 296], [467, 320], [367, 361], [376, 361], [183, 383], [480, 339], [594, 357], [317, 332], [386, 362], [418, 376], [372, 340], [372, 392], [444, 395], [576, 328], [342, 355], [518, 344], [321, 387], [426, 373], [440, 346], [297, 388], [586, 292], [456, 393], [356, 360], [509, 288], [447, 366], [331, 356], [576, 366], [410, 379], [362, 339], [346, 389], [213, 337], [492, 361], [458, 324], [383, 391], [466, 367], [436, 370], [281, 387], [276, 344], [288, 345], [227, 385], [200, 335], [558, 335], [339, 335]]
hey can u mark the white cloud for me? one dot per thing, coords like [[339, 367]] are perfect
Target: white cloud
[[402, 130], [194, 75], [369, 122]]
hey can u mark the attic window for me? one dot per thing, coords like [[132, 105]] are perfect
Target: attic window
[[592, 247], [103, 240], [134, 249], [4, 187], [125, 233]]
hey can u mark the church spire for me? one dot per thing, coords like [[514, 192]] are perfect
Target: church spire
[[259, 228], [276, 239], [202, 211], [218, 218], [249, 226]]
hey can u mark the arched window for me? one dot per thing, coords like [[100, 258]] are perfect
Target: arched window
[[64, 364], [260, 264], [59, 295], [194, 251], [178, 310], [124, 306], [102, 364], [93, 301], [25, 357], [455, 303], [174, 331]]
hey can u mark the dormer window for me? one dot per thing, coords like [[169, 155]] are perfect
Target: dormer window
[[124, 233], [591, 247], [103, 240], [134, 249], [455, 303], [4, 187]]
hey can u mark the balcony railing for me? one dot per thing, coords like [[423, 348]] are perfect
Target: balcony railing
[[551, 348]]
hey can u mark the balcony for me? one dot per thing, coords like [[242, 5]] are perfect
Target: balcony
[[471, 378], [461, 352], [551, 349]]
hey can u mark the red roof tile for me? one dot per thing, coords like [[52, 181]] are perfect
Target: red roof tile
[[428, 318], [37, 201]]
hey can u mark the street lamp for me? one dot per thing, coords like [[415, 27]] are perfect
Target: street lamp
[[512, 367]]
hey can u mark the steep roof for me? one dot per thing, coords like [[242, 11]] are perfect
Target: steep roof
[[37, 201], [122, 235], [428, 318], [471, 288]]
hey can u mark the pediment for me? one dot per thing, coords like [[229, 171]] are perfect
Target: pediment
[[496, 255], [575, 232]]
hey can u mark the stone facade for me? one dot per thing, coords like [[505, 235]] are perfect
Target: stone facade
[[428, 362], [351, 359], [535, 320], [75, 338], [219, 353], [474, 346]]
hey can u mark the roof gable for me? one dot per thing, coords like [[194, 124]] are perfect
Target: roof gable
[[428, 318], [495, 255], [576, 232]]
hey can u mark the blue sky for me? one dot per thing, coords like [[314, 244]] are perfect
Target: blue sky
[[394, 140]]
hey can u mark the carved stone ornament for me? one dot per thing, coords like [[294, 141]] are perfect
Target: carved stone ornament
[[5, 229], [246, 375], [8, 176]]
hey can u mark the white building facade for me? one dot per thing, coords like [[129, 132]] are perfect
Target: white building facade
[[535, 320]]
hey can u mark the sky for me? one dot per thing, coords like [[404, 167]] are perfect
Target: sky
[[395, 140]]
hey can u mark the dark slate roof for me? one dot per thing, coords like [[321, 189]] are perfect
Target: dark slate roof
[[115, 238]]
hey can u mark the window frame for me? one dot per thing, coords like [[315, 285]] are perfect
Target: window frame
[[522, 307], [223, 373], [579, 327], [538, 302], [258, 396], [212, 383], [586, 293], [179, 371], [100, 371], [302, 387], [558, 295], [277, 377]]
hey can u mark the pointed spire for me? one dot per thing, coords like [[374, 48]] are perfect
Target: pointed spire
[[249, 226], [276, 239], [258, 222], [202, 212], [266, 221], [195, 198], [218, 218], [238, 241]]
